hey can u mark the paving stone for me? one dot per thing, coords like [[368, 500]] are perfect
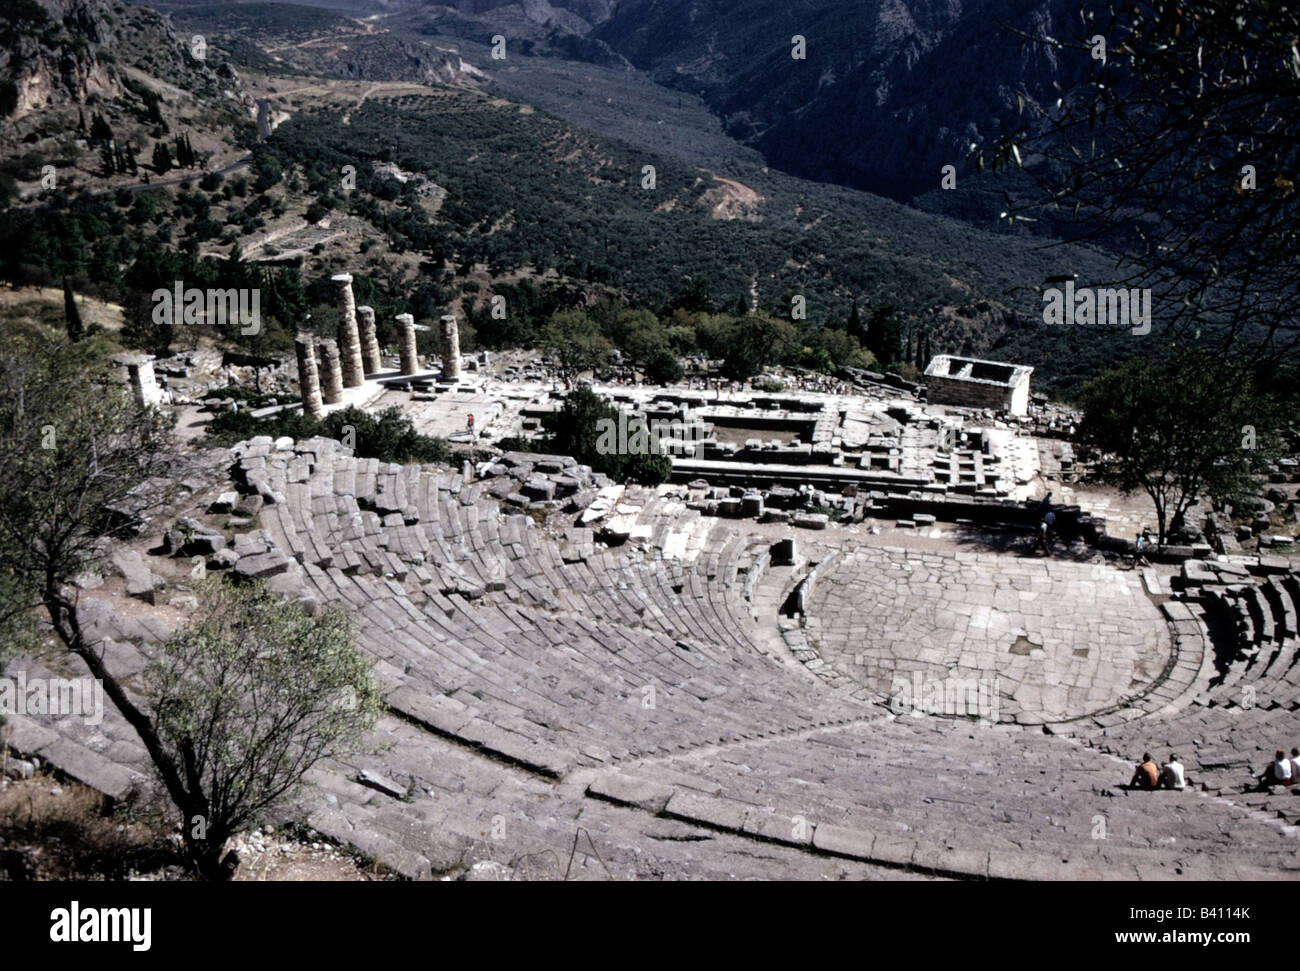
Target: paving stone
[[619, 788], [707, 811]]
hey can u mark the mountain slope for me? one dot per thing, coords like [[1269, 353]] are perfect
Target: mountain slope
[[890, 90]]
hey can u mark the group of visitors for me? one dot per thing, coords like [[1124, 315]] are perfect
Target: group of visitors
[[1148, 775], [824, 384], [1282, 771]]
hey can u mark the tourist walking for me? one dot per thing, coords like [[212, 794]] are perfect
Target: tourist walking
[[1140, 549]]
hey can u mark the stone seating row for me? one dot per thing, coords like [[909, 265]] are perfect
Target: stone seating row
[[940, 797]]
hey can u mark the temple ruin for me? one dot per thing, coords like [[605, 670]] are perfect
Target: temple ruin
[[304, 346], [349, 336], [971, 383], [408, 351], [369, 341], [331, 373], [449, 348]]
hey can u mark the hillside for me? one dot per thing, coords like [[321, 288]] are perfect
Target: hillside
[[884, 97], [92, 89], [460, 193]]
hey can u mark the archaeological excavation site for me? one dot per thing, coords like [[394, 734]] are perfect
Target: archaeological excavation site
[[837, 641], [664, 443]]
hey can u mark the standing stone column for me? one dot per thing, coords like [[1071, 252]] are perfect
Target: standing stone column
[[450, 348], [308, 376], [140, 372], [406, 344], [349, 340], [331, 374], [369, 342]]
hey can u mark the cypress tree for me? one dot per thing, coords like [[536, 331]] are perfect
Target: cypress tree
[[855, 324], [100, 129], [162, 158], [71, 314]]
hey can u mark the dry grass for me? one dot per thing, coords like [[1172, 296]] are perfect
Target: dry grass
[[45, 304], [55, 830]]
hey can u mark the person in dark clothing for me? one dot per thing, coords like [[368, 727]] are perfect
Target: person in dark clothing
[[1046, 528]]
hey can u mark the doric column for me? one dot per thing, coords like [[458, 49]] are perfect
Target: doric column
[[406, 344], [308, 376], [369, 341], [450, 347], [331, 373], [349, 340]]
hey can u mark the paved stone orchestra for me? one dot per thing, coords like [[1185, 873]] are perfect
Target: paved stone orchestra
[[1055, 640]]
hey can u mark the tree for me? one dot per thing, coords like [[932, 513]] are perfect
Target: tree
[[239, 699], [71, 314], [162, 158], [759, 341], [100, 130], [74, 446], [577, 429], [17, 631], [854, 326], [388, 435], [107, 160], [1177, 430], [693, 297], [576, 340], [638, 334], [883, 332], [663, 367], [844, 349], [267, 170], [246, 698], [1179, 147], [315, 212]]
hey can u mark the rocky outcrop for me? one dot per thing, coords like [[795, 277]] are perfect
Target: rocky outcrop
[[63, 52]]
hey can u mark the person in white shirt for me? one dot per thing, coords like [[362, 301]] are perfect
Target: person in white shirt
[[1172, 775], [1279, 772]]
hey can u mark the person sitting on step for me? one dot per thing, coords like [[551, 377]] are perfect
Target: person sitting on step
[[1279, 771], [1147, 775], [1172, 775]]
